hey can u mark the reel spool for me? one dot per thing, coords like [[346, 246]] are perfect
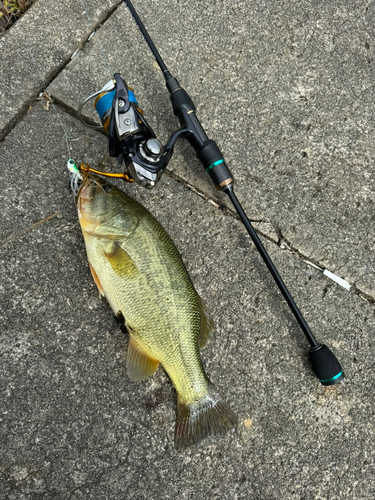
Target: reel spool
[[106, 90], [103, 106], [131, 139]]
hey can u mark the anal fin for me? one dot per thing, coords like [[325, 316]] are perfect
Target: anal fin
[[138, 363]]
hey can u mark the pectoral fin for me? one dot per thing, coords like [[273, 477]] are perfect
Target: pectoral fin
[[120, 260], [207, 324], [138, 363]]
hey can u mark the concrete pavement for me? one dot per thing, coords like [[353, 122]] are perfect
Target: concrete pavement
[[271, 82]]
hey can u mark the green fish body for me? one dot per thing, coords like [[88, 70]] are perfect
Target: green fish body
[[137, 267]]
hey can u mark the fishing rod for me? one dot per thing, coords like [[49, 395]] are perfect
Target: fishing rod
[[133, 142]]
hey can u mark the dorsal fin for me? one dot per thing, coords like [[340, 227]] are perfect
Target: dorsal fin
[[207, 324], [138, 363]]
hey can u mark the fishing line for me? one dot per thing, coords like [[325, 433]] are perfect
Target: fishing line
[[68, 140], [75, 176], [134, 143], [66, 136], [82, 137], [97, 38]]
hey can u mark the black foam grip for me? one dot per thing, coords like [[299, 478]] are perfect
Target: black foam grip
[[326, 365]]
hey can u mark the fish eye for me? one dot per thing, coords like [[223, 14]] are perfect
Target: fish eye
[[107, 187]]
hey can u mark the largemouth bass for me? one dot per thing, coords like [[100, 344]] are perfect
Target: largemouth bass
[[137, 267]]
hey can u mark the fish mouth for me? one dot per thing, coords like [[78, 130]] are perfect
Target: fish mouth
[[77, 181], [84, 193], [87, 188], [90, 210]]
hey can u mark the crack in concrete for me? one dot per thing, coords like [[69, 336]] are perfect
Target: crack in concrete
[[27, 229], [223, 208], [72, 112], [282, 243], [50, 77]]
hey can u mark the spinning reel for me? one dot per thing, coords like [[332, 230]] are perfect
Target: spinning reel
[[134, 143]]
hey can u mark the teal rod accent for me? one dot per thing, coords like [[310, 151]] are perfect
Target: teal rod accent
[[214, 164], [331, 379]]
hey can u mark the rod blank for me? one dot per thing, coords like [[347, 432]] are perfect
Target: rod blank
[[276, 276], [148, 39]]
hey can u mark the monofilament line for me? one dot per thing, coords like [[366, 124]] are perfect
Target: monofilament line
[[97, 38], [67, 139]]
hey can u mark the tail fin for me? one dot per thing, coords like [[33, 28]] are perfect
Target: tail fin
[[206, 417]]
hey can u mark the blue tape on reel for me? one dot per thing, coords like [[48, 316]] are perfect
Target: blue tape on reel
[[105, 102], [132, 97]]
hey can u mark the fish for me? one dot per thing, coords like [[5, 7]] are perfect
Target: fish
[[137, 267]]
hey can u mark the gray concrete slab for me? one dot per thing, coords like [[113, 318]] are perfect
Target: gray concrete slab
[[286, 89], [73, 425], [38, 46]]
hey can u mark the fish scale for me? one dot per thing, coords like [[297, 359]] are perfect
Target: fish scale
[[136, 265], [146, 311]]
